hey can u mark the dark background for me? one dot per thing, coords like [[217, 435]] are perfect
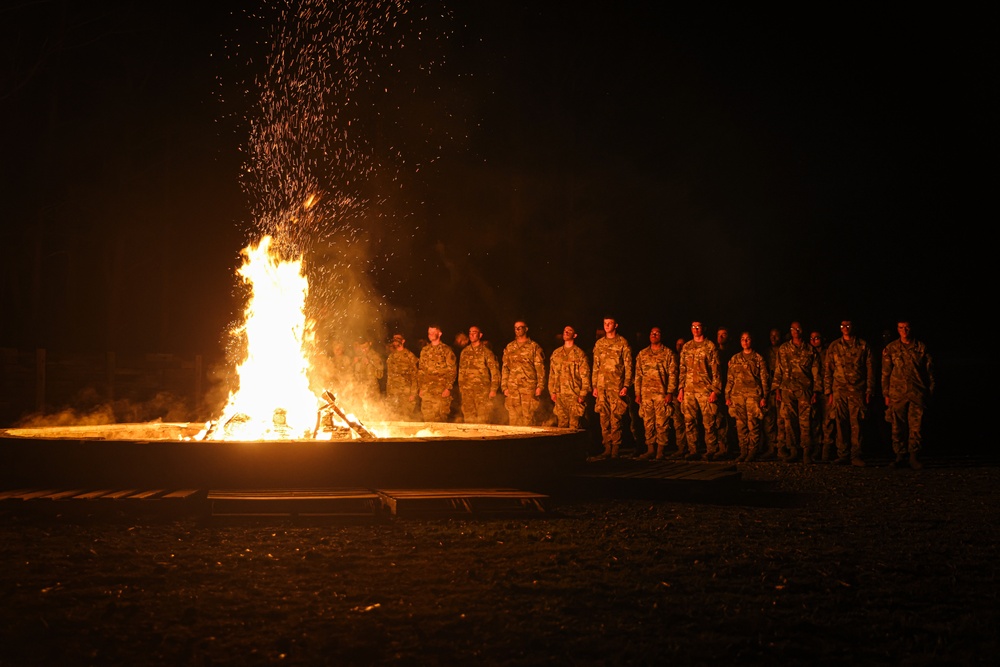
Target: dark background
[[565, 160]]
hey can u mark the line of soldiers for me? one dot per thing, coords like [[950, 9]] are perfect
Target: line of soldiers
[[800, 401]]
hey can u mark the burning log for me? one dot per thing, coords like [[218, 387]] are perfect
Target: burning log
[[351, 420]]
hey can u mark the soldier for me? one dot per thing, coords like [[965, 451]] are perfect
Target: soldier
[[680, 440], [722, 417], [796, 387], [747, 388], [522, 377], [823, 424], [569, 381], [368, 371], [478, 379], [612, 378], [342, 368], [907, 382], [655, 386], [848, 380], [699, 390], [436, 377], [401, 380], [774, 428]]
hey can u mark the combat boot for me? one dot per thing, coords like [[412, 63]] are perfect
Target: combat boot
[[806, 456], [828, 452], [614, 451], [743, 455], [915, 462], [898, 463], [660, 454], [751, 455], [842, 460], [857, 461], [648, 454]]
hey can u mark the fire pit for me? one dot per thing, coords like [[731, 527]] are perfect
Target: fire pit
[[166, 455]]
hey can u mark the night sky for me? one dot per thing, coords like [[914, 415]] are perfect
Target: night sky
[[560, 162]]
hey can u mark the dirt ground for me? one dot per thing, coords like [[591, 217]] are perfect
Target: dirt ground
[[819, 565]]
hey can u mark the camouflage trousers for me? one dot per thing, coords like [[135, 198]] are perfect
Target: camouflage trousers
[[774, 426], [433, 406], [796, 414], [477, 406], [610, 408], [521, 407], [401, 407], [848, 411], [722, 419], [907, 419], [568, 411], [677, 420], [824, 426], [748, 416], [696, 404], [657, 417]]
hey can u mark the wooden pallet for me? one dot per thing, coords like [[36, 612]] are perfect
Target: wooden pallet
[[680, 471], [298, 503], [462, 502]]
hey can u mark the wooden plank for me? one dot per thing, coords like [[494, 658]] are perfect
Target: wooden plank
[[145, 495], [119, 494], [442, 502], [38, 493], [312, 503], [91, 495], [180, 494], [13, 494]]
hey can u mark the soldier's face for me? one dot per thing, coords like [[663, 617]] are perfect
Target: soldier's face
[[904, 330], [433, 334], [568, 334], [654, 336], [846, 327], [398, 342], [815, 339], [520, 328], [796, 331], [775, 336], [722, 336], [696, 329], [679, 344], [610, 326], [745, 341], [474, 335]]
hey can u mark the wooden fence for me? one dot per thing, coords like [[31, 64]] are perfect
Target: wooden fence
[[43, 382]]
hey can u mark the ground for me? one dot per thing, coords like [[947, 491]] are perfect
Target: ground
[[818, 565]]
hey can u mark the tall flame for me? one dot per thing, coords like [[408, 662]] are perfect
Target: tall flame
[[273, 400]]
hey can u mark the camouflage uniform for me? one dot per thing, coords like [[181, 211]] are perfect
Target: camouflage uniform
[[522, 374], [401, 384], [797, 376], [612, 373], [747, 382], [722, 416], [478, 375], [907, 381], [849, 378], [824, 426], [569, 381], [367, 372], [774, 427], [436, 373], [655, 378], [699, 377]]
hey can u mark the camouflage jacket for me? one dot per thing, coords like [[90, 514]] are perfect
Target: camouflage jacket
[[569, 372], [523, 366], [368, 369], [478, 369], [848, 367], [699, 367], [612, 364], [437, 367], [655, 373], [907, 372], [797, 369], [401, 373], [747, 376]]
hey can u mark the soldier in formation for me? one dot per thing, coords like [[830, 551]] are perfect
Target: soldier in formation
[[612, 377], [436, 377], [747, 386], [569, 381], [522, 377], [401, 380], [699, 391], [848, 380], [655, 386], [478, 378], [908, 383], [796, 389]]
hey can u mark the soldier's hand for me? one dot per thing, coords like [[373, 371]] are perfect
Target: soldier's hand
[[712, 397], [777, 395], [446, 393], [680, 396], [538, 391], [623, 391], [763, 402], [595, 393], [554, 397], [668, 398], [493, 394]]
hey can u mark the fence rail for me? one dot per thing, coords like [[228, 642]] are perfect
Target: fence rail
[[43, 382]]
